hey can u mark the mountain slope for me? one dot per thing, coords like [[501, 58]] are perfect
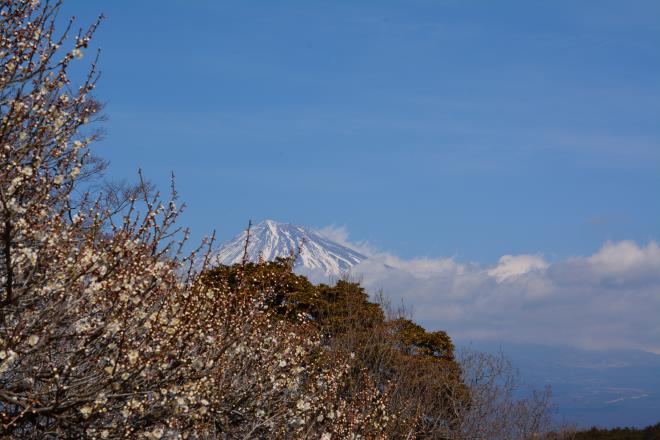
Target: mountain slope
[[270, 239]]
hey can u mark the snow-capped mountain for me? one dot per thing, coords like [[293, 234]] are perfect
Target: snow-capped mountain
[[270, 239]]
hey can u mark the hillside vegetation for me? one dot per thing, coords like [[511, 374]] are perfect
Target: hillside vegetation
[[648, 433]]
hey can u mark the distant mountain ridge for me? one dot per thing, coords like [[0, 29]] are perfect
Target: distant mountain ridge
[[270, 239]]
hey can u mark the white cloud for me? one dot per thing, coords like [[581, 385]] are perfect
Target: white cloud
[[625, 259], [511, 266], [610, 299], [339, 234]]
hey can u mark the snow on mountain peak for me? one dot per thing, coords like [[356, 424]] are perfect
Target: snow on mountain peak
[[270, 239]]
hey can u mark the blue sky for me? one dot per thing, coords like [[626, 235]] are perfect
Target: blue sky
[[427, 128]]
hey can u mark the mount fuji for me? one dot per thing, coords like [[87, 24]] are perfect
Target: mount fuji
[[269, 239]]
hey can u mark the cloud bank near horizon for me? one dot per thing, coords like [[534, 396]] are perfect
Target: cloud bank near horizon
[[607, 300]]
